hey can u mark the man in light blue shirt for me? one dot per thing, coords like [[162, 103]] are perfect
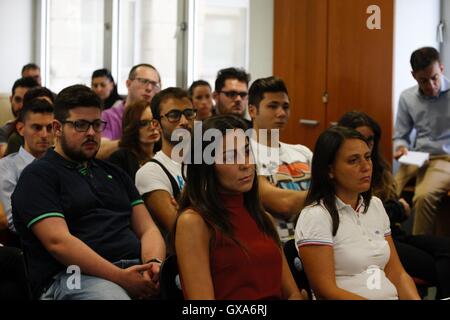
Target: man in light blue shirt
[[35, 124], [425, 108]]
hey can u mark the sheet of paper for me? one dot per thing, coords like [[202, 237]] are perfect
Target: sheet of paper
[[415, 158]]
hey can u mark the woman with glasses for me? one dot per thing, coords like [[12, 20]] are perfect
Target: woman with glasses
[[140, 138], [424, 257], [102, 83]]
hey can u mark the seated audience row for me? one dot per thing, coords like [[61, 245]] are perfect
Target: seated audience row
[[214, 211]]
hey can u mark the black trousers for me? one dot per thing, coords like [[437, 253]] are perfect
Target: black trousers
[[13, 280], [428, 258]]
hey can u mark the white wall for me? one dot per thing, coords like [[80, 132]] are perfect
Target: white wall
[[445, 53], [16, 39], [416, 23], [261, 38]]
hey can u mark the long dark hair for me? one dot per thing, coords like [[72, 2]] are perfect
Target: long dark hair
[[201, 191], [114, 95], [382, 180], [322, 185], [130, 131]]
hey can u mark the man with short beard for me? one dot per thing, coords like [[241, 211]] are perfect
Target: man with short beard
[[160, 181], [78, 214], [231, 92], [425, 108]]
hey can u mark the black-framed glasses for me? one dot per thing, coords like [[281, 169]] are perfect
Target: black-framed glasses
[[153, 123], [234, 94], [84, 125], [146, 82], [175, 115]]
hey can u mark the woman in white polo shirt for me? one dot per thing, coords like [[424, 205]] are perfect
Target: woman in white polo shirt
[[343, 235]]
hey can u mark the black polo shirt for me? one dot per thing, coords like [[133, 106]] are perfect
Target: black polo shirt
[[96, 201]]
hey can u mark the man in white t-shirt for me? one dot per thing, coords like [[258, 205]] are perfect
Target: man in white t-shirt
[[160, 181], [283, 169]]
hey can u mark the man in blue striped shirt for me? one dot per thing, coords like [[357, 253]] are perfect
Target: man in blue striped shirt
[[425, 108]]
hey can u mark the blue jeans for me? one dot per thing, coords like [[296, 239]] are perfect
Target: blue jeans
[[90, 288]]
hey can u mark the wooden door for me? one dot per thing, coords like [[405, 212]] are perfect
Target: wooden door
[[325, 46], [360, 62], [300, 58]]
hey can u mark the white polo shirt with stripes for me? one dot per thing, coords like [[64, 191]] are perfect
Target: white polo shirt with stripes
[[361, 251]]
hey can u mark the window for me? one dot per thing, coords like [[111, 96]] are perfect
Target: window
[[81, 36], [75, 41], [147, 34], [220, 33]]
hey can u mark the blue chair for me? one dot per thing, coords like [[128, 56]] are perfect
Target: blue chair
[[296, 267], [169, 280]]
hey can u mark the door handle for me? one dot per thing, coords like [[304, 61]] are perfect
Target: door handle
[[307, 122]]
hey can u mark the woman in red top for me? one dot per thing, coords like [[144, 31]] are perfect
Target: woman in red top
[[227, 246]]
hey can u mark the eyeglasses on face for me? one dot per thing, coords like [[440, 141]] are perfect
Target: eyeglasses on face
[[148, 123], [145, 82], [84, 125], [234, 94], [175, 115]]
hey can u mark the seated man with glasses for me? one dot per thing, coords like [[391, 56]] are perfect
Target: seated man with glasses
[[35, 125], [160, 180], [231, 93], [143, 83], [85, 230], [139, 140]]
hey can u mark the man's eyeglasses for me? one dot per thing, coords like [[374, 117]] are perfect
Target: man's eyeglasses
[[146, 82], [148, 123], [84, 125], [234, 94], [175, 115]]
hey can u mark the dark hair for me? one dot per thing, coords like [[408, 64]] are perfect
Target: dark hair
[[31, 94], [38, 92], [27, 82], [160, 97], [382, 183], [424, 57], [322, 186], [132, 74], [75, 96], [261, 86], [130, 130], [34, 106], [201, 189], [196, 84], [114, 95], [30, 66], [230, 73]]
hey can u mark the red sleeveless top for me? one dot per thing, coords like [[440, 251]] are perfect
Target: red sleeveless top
[[245, 275]]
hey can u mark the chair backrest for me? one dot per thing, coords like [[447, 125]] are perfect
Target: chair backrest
[[169, 280], [296, 267]]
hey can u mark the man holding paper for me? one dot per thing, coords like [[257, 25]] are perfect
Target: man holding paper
[[425, 108]]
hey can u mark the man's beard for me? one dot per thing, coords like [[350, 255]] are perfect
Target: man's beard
[[168, 136], [77, 156]]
